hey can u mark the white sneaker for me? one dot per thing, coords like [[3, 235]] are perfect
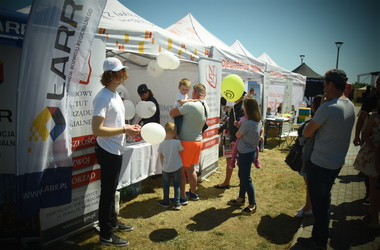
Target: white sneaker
[[301, 213], [309, 213]]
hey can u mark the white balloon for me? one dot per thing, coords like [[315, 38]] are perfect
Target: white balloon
[[166, 59], [176, 63], [129, 109], [154, 69], [153, 133], [139, 108], [148, 109]]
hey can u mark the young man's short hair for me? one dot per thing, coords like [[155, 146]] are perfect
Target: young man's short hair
[[338, 77], [200, 89]]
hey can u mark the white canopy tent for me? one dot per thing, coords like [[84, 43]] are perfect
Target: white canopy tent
[[278, 76], [136, 42], [125, 31], [266, 58], [247, 67]]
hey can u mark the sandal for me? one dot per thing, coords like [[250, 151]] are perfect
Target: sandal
[[249, 210], [234, 202]]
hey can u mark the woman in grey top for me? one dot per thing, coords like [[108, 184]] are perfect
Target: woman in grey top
[[249, 134]]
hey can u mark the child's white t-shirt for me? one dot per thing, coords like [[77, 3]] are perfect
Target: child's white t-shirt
[[179, 96], [171, 149]]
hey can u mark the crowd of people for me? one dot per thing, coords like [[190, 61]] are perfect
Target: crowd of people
[[325, 139]]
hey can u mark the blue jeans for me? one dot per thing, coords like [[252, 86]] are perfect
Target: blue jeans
[[178, 120], [319, 183], [246, 185], [176, 177], [110, 166]]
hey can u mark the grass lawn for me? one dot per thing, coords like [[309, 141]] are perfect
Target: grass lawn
[[210, 223]]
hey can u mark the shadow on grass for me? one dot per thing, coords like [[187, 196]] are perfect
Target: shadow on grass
[[211, 218], [270, 228], [141, 209], [164, 234]]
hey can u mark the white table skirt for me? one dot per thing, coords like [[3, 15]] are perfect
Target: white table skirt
[[139, 161]]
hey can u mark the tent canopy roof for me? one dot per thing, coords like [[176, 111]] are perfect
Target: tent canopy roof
[[305, 70], [238, 47], [233, 62], [266, 58], [125, 31]]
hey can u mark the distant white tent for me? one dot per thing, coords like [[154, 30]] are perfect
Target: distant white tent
[[232, 62], [278, 76], [266, 58], [238, 47]]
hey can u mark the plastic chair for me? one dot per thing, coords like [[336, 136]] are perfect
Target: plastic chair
[[289, 134]]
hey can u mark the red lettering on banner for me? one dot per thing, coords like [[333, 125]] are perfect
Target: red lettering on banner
[[85, 178], [241, 65], [84, 161], [278, 75], [210, 132], [213, 121], [211, 75], [210, 143], [85, 141]]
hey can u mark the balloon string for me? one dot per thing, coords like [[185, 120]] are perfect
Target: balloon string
[[233, 111]]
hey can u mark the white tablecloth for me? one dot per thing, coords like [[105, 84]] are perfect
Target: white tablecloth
[[140, 160]]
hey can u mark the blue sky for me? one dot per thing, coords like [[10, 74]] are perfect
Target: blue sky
[[284, 29]]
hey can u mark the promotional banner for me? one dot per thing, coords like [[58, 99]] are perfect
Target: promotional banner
[[82, 211], [9, 64], [266, 94], [254, 90], [210, 75], [58, 39], [287, 102], [314, 87], [12, 27]]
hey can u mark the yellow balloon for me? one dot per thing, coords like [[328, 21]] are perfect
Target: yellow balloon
[[232, 87]]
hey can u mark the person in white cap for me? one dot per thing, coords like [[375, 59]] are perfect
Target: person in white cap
[[108, 124]]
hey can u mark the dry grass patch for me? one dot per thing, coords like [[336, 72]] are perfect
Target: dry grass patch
[[210, 223]]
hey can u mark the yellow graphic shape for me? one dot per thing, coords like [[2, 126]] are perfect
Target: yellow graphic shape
[[170, 43], [38, 129], [141, 48], [126, 38]]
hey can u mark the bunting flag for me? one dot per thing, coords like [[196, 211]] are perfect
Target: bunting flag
[[58, 38]]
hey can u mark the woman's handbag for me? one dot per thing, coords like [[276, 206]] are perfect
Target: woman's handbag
[[294, 158]]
